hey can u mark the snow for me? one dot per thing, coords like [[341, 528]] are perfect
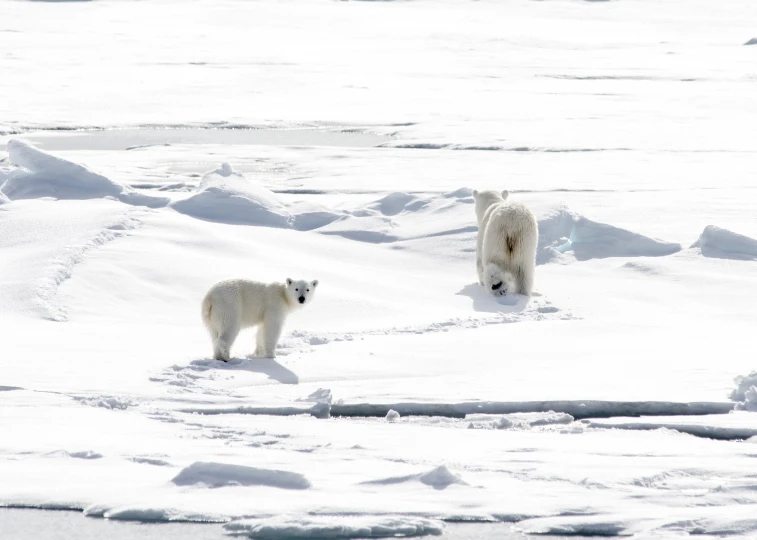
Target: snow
[[40, 174], [615, 401], [717, 242], [728, 427], [215, 475], [326, 528], [45, 175], [392, 415], [743, 384], [226, 195]]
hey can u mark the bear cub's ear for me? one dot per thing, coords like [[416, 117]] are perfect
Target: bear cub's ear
[[289, 282], [314, 283], [505, 194], [475, 193]]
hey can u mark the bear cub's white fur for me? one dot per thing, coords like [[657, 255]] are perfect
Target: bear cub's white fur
[[508, 235], [232, 305]]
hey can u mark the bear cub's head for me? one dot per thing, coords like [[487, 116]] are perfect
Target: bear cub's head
[[484, 199], [300, 292]]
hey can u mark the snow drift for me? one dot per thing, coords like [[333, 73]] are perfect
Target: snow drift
[[591, 240], [226, 196], [561, 231], [40, 174], [216, 475], [724, 244], [44, 175], [439, 478]]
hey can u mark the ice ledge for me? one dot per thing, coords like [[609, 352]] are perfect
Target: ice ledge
[[576, 408]]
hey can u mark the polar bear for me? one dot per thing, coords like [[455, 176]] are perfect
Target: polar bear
[[508, 234], [234, 304]]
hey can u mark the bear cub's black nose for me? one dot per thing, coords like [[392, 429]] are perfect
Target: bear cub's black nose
[[302, 299]]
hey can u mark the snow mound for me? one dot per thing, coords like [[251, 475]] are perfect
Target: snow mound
[[44, 175], [750, 400], [555, 226], [334, 527], [226, 196], [397, 202], [216, 475], [372, 229], [752, 41], [592, 240], [40, 174], [441, 478], [392, 415], [308, 217], [322, 395], [561, 231], [724, 244], [3, 198], [743, 384]]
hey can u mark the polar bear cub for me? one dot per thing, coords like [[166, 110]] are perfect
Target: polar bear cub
[[508, 235], [232, 305]]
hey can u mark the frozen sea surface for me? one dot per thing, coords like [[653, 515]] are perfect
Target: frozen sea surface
[[141, 162]]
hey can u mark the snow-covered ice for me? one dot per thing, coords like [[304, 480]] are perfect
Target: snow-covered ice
[[141, 162]]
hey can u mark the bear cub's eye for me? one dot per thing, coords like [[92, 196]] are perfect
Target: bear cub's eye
[[307, 290], [296, 290]]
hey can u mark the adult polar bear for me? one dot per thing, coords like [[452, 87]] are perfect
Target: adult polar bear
[[508, 235], [234, 304]]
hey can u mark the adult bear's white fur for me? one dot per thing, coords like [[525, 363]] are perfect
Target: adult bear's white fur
[[234, 304], [508, 235]]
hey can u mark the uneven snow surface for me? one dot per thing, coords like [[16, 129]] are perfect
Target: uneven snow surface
[[141, 162]]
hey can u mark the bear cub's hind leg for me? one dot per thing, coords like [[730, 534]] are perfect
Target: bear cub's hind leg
[[222, 345]]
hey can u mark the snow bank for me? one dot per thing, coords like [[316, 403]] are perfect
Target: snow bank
[[334, 527], [216, 475], [45, 175], [724, 244], [561, 231], [752, 41], [591, 240], [40, 174], [226, 196], [441, 478]]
